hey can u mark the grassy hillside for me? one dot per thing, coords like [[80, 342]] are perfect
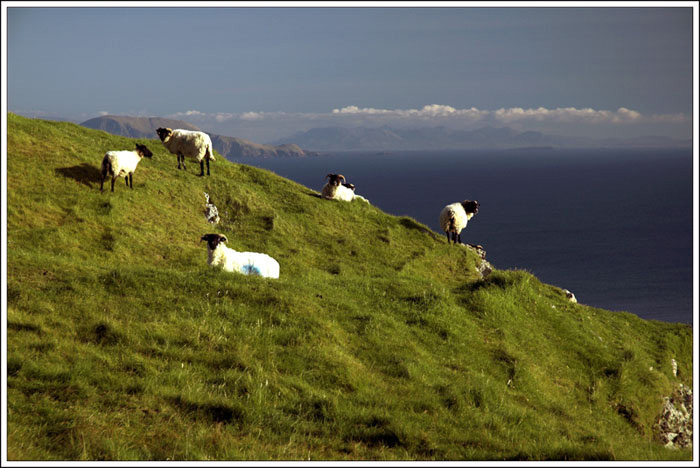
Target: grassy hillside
[[379, 341]]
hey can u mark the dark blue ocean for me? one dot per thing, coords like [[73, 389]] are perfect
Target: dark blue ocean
[[615, 227]]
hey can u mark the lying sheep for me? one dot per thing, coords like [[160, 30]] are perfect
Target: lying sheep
[[337, 190], [188, 143], [123, 163], [454, 218], [248, 263]]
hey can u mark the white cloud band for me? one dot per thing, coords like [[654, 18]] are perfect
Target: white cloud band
[[438, 112]]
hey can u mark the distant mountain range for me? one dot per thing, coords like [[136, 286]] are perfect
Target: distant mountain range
[[229, 147], [443, 138], [324, 139]]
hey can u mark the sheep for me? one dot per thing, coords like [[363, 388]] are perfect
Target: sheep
[[188, 143], [123, 163], [454, 218], [357, 197], [570, 296], [337, 190], [248, 263]]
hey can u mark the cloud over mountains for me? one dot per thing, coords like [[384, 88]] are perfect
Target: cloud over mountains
[[270, 126], [441, 112]]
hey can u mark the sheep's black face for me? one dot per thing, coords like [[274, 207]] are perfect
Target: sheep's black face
[[144, 151], [213, 240], [164, 133], [471, 206], [335, 179]]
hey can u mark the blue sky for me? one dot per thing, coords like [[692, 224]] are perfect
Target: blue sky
[[262, 73]]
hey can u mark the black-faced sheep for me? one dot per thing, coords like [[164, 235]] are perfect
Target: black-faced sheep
[[123, 163], [338, 189], [454, 218], [248, 263], [189, 143]]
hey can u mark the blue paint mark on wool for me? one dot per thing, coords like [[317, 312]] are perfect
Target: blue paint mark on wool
[[251, 269]]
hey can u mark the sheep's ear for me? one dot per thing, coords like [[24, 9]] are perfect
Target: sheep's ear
[[223, 239], [328, 176]]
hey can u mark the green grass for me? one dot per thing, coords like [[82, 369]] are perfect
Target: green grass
[[378, 342]]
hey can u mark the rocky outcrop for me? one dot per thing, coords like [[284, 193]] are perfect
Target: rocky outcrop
[[210, 210], [675, 424], [484, 268]]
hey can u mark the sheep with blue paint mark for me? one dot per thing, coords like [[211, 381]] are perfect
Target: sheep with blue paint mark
[[248, 263]]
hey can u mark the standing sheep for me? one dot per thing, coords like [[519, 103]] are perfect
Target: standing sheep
[[248, 263], [454, 218], [188, 143], [123, 163]]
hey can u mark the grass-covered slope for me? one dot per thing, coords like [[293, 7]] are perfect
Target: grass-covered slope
[[379, 341]]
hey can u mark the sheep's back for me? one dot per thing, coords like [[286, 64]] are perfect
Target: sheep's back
[[337, 192], [453, 217], [190, 143], [248, 263], [122, 162], [255, 263]]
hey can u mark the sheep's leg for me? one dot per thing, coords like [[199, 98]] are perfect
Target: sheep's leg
[[459, 238], [105, 170], [131, 181], [113, 179], [449, 236], [208, 166], [182, 156], [201, 168], [126, 179]]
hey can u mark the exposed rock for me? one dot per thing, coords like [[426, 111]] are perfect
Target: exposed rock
[[484, 268], [675, 424], [674, 367], [210, 211]]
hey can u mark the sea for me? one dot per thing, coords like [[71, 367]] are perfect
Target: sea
[[613, 226]]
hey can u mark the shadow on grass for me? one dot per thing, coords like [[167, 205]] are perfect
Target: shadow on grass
[[410, 223], [85, 173], [216, 413]]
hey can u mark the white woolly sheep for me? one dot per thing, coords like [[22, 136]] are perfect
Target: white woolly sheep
[[123, 163], [570, 296], [183, 143], [248, 263], [357, 197], [337, 190], [454, 218]]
